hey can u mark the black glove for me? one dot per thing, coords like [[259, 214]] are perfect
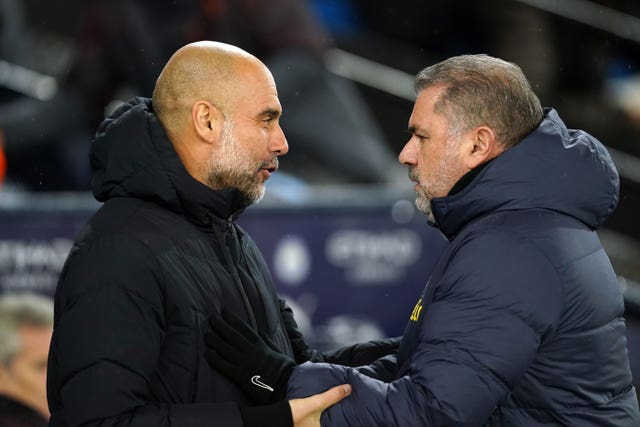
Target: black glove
[[238, 352]]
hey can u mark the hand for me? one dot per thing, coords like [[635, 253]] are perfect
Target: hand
[[306, 412], [238, 352]]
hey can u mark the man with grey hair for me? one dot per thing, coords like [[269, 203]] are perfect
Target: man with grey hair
[[26, 323], [521, 322]]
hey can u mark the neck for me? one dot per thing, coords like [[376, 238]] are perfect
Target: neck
[[189, 158]]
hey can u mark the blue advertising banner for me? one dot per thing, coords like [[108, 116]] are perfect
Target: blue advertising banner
[[350, 274], [353, 274], [33, 248]]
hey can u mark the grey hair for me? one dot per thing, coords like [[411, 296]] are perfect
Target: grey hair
[[16, 311], [480, 90]]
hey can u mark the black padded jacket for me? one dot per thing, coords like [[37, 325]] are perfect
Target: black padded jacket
[[159, 257]]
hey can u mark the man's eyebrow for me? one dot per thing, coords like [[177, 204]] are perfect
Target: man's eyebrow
[[270, 113]]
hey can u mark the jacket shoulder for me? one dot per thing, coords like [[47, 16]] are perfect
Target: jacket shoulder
[[117, 250]]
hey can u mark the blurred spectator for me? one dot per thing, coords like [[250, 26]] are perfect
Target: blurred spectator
[[124, 43], [26, 324]]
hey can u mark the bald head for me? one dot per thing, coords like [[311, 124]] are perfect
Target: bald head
[[204, 70]]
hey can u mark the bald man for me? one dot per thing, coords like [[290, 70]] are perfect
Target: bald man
[[164, 253]]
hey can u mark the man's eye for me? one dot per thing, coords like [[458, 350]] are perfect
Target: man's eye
[[415, 135]]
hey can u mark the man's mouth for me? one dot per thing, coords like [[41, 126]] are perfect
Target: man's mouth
[[412, 174], [267, 168]]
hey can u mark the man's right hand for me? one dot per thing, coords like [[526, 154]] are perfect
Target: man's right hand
[[306, 412]]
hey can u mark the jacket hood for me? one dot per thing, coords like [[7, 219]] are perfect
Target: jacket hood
[[554, 168], [132, 156]]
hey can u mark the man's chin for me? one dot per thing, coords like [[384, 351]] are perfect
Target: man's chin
[[254, 195], [424, 205]]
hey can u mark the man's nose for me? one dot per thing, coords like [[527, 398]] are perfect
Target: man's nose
[[408, 155], [279, 145]]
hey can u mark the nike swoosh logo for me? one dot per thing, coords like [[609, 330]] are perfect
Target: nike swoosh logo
[[255, 380]]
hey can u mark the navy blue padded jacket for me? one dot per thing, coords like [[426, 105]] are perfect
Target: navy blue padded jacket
[[521, 322]]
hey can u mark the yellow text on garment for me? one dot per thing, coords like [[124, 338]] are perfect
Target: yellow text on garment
[[415, 314]]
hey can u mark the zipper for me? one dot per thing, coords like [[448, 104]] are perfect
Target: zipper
[[222, 238]]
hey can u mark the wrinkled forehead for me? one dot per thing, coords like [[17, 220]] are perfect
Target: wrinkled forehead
[[256, 89], [425, 104]]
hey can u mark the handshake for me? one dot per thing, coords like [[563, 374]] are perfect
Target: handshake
[[256, 366]]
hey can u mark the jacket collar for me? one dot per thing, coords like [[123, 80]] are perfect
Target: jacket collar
[[553, 168], [132, 156]]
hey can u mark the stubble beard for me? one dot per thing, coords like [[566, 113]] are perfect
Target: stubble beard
[[447, 173], [423, 203], [231, 168]]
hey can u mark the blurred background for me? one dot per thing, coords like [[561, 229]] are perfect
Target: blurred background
[[338, 226]]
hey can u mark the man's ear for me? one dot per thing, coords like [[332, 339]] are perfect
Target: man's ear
[[482, 146], [207, 121]]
